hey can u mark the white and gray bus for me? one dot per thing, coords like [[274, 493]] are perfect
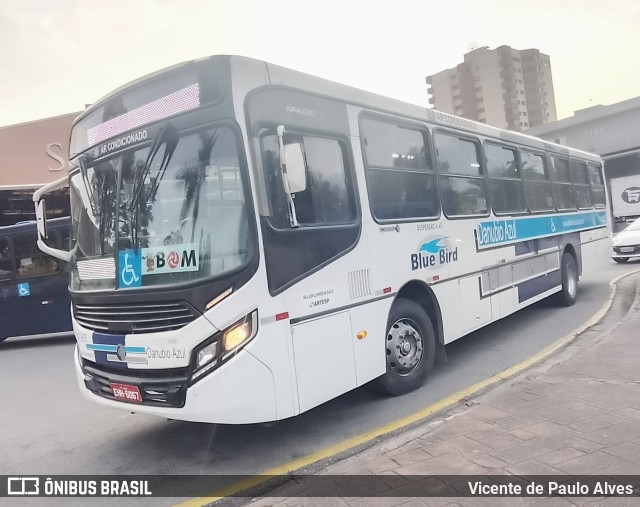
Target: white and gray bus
[[250, 241]]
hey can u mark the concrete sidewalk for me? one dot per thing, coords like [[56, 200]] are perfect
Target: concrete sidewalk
[[576, 413]]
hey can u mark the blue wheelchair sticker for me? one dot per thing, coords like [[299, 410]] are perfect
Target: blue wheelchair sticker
[[24, 289], [129, 269]]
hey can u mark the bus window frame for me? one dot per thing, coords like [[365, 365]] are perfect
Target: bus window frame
[[461, 134], [587, 185], [599, 167], [349, 171], [545, 165], [569, 183], [514, 148], [11, 259], [265, 221], [422, 129]]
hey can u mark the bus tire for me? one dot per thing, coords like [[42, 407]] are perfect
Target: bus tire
[[410, 345], [569, 274], [621, 260]]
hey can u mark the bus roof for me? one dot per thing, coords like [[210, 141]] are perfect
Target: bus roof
[[282, 76]]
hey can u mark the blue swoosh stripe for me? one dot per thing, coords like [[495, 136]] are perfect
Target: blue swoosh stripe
[[136, 350], [102, 348]]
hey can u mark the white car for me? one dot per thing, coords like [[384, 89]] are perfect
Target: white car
[[626, 243]]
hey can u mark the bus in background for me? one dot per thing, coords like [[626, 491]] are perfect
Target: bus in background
[[16, 204], [34, 287], [250, 241]]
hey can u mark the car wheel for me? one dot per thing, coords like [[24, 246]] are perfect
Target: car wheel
[[620, 260]]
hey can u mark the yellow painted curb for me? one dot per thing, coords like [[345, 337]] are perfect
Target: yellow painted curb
[[439, 405]]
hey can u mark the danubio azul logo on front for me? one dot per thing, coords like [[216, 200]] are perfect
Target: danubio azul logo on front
[[434, 252]]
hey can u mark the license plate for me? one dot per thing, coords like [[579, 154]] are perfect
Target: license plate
[[126, 393], [627, 249]]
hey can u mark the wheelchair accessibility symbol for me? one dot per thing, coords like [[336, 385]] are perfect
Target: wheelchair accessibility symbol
[[129, 268], [24, 289]]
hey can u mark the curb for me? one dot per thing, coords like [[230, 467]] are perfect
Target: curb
[[421, 415]]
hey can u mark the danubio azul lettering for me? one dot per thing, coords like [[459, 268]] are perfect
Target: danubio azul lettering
[[497, 232], [123, 141]]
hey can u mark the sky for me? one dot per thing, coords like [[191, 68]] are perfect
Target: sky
[[57, 56]]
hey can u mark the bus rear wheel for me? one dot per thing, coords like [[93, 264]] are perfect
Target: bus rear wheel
[[410, 348], [569, 274]]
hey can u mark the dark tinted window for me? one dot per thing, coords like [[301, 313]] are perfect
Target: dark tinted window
[[457, 156], [501, 162], [391, 146], [328, 198], [581, 187], [399, 174], [6, 268], [538, 186], [460, 174], [326, 210], [563, 196], [597, 185], [30, 261], [507, 193]]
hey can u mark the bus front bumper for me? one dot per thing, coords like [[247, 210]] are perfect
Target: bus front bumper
[[239, 392]]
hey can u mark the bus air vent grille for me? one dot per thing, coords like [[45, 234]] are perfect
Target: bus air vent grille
[[359, 284], [134, 317]]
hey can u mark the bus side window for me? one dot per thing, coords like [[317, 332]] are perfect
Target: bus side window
[[30, 261], [328, 198], [563, 194], [461, 176], [6, 269], [580, 180], [537, 181], [597, 185], [507, 193], [400, 178]]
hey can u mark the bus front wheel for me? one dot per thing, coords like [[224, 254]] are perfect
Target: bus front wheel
[[569, 274], [410, 348]]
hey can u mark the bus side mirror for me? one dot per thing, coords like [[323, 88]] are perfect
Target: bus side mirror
[[296, 167], [41, 219]]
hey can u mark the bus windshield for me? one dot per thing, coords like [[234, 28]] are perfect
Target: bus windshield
[[163, 214]]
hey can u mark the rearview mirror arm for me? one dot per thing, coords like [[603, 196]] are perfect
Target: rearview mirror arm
[[293, 219]]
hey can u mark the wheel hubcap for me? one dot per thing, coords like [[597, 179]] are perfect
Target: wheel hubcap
[[404, 347]]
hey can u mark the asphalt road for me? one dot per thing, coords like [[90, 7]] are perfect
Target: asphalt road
[[47, 428]]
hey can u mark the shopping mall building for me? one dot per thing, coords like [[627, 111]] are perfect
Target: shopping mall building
[[33, 154]]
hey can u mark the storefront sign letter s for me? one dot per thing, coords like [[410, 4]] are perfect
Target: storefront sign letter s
[[55, 156]]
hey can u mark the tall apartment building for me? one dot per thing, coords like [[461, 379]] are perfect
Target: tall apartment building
[[503, 87]]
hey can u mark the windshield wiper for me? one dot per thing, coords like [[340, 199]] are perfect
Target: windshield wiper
[[168, 153], [85, 178], [139, 183]]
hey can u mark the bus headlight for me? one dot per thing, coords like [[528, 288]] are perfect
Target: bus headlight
[[206, 354], [224, 345], [240, 333], [206, 359]]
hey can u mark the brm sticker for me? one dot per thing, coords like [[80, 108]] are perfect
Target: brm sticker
[[134, 264], [170, 259], [433, 253]]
